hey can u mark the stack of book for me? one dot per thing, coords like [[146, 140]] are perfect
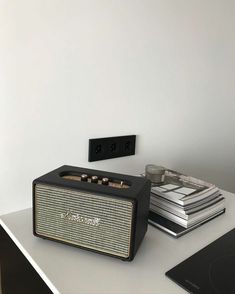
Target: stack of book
[[182, 203]]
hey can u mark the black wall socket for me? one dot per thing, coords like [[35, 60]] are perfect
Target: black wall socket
[[111, 147]]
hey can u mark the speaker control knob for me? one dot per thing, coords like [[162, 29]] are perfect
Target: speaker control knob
[[84, 178], [105, 181], [94, 179]]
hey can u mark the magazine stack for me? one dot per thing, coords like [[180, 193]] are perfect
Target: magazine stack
[[181, 203]]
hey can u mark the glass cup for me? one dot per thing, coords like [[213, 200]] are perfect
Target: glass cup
[[155, 173]]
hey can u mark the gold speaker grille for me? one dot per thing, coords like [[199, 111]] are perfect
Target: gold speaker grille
[[84, 219]]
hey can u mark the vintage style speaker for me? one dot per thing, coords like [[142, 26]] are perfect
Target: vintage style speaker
[[95, 210]]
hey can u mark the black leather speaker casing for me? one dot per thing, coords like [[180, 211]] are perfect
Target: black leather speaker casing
[[138, 193]]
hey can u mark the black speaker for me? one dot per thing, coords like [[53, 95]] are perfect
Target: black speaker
[[95, 210]]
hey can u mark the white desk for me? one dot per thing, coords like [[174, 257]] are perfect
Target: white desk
[[69, 270]]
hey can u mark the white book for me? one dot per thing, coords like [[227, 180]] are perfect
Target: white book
[[182, 189], [192, 220], [188, 216], [184, 207], [174, 229], [171, 207]]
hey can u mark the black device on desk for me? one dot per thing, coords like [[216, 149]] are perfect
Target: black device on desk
[[91, 209], [209, 271]]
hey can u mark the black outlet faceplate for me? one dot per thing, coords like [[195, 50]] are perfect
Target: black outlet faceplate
[[111, 147]]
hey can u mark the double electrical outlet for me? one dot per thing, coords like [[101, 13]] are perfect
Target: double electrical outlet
[[111, 147]]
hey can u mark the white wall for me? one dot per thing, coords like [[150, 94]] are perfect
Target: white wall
[[73, 70]]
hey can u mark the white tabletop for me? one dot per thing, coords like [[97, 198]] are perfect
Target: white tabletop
[[69, 270]]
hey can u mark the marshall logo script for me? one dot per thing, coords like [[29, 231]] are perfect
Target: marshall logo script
[[76, 217]]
